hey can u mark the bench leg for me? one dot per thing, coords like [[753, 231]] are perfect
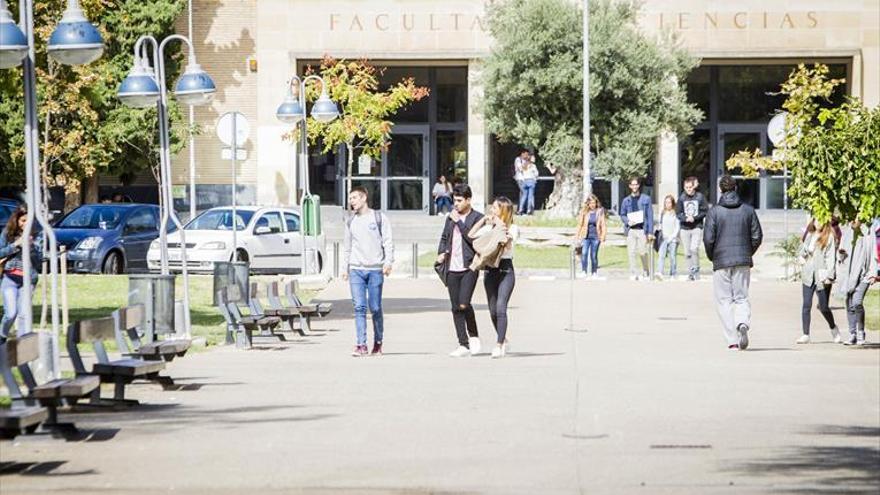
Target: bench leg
[[166, 381], [244, 338], [304, 326], [230, 335]]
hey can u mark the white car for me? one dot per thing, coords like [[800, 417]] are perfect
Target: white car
[[268, 237]]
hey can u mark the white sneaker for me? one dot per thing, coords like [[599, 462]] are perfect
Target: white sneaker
[[506, 346], [804, 339], [474, 343], [633, 277], [835, 334], [461, 351], [498, 351]]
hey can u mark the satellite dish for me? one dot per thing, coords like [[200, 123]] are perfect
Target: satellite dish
[[776, 129]]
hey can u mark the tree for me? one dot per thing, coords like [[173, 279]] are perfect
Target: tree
[[364, 109], [832, 152], [533, 88], [84, 127]]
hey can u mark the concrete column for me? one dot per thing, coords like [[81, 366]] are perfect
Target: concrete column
[[666, 167], [478, 140]]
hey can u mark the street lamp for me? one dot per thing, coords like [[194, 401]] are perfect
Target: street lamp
[[74, 41], [144, 87], [293, 111]]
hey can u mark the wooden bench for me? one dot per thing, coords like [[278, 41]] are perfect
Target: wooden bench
[[25, 419], [128, 320], [17, 354], [287, 313], [240, 328], [119, 372], [317, 308]]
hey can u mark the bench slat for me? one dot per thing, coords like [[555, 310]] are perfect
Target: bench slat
[[22, 417], [128, 367], [23, 349]]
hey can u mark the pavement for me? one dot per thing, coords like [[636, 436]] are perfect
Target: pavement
[[641, 397]]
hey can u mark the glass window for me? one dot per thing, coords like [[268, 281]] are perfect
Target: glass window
[[142, 220], [698, 88], [292, 222], [696, 160], [92, 217], [749, 189], [452, 155], [271, 220], [405, 157], [220, 219], [416, 111], [322, 173], [451, 94], [405, 194]]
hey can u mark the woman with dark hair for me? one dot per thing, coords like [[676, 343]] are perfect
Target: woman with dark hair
[[11, 281], [818, 255]]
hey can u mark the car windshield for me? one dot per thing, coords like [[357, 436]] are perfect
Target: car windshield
[[93, 217], [5, 213], [220, 220]]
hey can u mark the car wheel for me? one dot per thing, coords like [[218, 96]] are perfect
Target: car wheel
[[240, 255], [112, 264]]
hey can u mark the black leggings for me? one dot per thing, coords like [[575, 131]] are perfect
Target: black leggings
[[461, 287], [499, 284], [822, 294]]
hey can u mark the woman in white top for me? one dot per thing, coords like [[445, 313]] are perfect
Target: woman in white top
[[530, 180], [499, 282], [442, 193], [669, 229]]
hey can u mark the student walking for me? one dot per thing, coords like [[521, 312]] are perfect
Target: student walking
[[731, 237], [530, 181], [519, 164], [669, 230], [638, 224], [591, 231], [858, 266], [818, 268], [12, 240], [368, 254], [456, 250], [692, 207], [499, 280]]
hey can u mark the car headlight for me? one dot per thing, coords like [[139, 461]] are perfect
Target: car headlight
[[89, 243], [154, 244], [213, 245]]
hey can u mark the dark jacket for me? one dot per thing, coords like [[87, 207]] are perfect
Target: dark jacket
[[14, 255], [467, 244], [629, 204], [696, 203], [732, 233]]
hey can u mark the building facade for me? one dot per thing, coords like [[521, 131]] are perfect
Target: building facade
[[251, 48]]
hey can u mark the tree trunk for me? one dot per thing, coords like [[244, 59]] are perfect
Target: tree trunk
[[349, 158], [565, 200]]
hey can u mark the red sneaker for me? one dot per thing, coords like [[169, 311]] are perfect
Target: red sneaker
[[733, 347], [377, 349], [359, 351]]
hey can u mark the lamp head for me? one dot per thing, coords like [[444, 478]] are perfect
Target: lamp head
[[139, 89], [290, 111], [75, 40], [195, 87], [324, 110], [13, 43]]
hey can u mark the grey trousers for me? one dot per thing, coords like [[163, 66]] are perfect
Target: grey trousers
[[690, 241], [732, 299], [637, 249], [855, 311]]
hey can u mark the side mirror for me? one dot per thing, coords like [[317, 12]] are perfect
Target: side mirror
[[262, 230]]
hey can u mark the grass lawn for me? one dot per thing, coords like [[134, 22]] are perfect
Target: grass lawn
[[540, 219], [556, 257], [872, 309], [95, 296]]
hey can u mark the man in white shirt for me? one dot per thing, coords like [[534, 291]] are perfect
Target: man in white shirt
[[519, 164]]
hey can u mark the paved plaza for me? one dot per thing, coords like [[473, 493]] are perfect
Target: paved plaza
[[646, 400]]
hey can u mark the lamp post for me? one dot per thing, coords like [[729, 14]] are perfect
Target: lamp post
[[293, 111], [145, 86], [75, 41], [587, 180]]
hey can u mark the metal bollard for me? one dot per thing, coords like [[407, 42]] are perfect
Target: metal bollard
[[65, 310], [336, 259], [572, 263], [44, 309], [415, 260]]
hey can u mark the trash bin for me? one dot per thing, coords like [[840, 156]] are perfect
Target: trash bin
[[227, 273], [156, 293], [311, 212]]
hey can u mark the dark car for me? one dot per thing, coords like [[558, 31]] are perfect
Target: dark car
[[7, 206], [108, 238]]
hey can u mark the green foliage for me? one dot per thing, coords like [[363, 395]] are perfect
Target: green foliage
[[364, 109], [788, 249], [833, 153], [533, 84], [84, 129]]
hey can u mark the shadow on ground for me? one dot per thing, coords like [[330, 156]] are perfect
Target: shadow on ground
[[853, 468]]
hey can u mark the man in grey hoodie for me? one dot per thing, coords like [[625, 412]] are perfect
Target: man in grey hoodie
[[731, 237], [368, 253]]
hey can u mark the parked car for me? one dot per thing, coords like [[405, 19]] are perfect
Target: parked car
[[267, 237], [108, 238], [7, 207]]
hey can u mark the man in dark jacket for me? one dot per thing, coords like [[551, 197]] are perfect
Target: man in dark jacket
[[731, 236], [691, 210], [457, 250]]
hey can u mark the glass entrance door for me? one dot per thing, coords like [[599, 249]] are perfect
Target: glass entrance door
[[406, 169], [765, 191]]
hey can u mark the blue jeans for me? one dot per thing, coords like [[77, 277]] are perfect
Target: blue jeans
[[527, 197], [590, 248], [670, 247], [366, 288], [443, 203], [12, 294]]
